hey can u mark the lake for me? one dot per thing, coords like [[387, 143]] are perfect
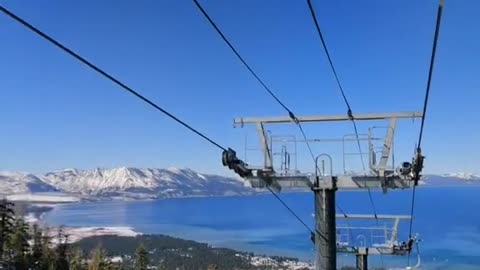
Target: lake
[[446, 219]]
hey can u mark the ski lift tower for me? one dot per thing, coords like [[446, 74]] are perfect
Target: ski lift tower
[[324, 186]]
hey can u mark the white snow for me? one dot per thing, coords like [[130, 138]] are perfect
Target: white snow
[[39, 197], [287, 265], [77, 233], [116, 259], [22, 182], [30, 218], [120, 182], [463, 175]]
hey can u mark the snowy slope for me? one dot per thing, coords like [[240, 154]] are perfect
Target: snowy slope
[[19, 182], [144, 182], [452, 179], [463, 175], [154, 183]]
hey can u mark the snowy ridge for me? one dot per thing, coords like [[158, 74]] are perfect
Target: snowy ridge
[[124, 182], [451, 180], [20, 182], [463, 175]]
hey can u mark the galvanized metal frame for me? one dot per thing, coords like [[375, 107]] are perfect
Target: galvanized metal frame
[[324, 186]]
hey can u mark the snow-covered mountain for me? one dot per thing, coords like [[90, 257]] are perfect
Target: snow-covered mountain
[[155, 183], [19, 182], [452, 179], [463, 175], [126, 182]]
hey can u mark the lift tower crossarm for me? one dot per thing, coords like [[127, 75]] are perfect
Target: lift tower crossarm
[[326, 118], [361, 216], [347, 182]]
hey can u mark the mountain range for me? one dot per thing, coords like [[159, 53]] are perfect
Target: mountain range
[[124, 182], [139, 183], [451, 179]]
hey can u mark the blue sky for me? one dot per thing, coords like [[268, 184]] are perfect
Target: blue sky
[[56, 113]]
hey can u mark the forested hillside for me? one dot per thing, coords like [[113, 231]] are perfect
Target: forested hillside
[[24, 247], [28, 247]]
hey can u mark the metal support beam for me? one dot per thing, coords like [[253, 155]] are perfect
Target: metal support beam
[[342, 181], [395, 230], [325, 229], [387, 146], [389, 217], [362, 259], [323, 118], [326, 140], [264, 144]]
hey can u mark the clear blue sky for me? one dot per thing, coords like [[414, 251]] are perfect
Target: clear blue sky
[[57, 113]]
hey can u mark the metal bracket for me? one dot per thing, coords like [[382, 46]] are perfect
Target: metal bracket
[[229, 159], [417, 165], [264, 145]]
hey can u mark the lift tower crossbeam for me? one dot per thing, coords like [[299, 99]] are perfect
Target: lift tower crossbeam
[[325, 186], [326, 118]]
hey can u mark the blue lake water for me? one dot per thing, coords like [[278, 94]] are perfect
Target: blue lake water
[[447, 219]]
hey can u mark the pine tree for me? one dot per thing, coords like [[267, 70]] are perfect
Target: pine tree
[[47, 261], [37, 247], [75, 260], [19, 246], [114, 266], [98, 260], [61, 250], [7, 217], [141, 258]]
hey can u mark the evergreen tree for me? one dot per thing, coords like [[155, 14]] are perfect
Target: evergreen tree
[[114, 266], [19, 246], [141, 258], [6, 225], [37, 247], [61, 250], [76, 261], [47, 261], [98, 260]]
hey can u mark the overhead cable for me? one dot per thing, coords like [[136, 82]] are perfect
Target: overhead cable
[[205, 14], [293, 213], [107, 75], [272, 94], [425, 105], [268, 89], [349, 108]]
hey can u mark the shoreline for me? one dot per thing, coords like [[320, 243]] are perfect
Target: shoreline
[[76, 234], [36, 212]]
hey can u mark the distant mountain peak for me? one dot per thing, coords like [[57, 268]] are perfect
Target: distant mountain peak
[[129, 182], [173, 169], [463, 175], [22, 182]]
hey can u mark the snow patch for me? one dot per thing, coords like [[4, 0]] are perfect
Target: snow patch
[[120, 182], [463, 175], [30, 218], [76, 234], [36, 197]]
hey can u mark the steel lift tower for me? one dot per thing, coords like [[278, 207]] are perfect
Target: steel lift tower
[[324, 186]]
